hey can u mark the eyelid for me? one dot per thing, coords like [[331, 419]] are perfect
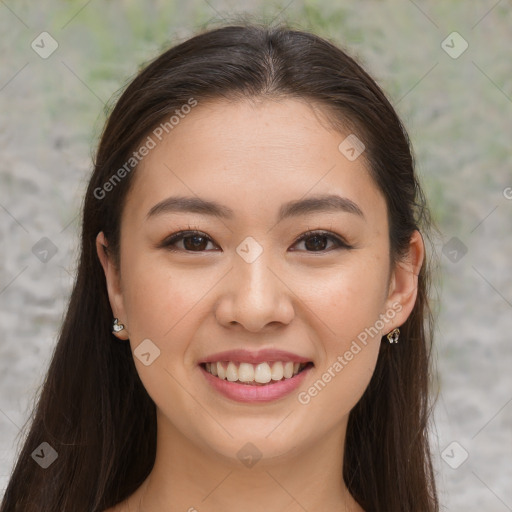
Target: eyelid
[[178, 235], [340, 242]]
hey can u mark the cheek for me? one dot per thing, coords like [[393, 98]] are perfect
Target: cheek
[[340, 384], [349, 348], [161, 305], [349, 298], [157, 296], [349, 305]]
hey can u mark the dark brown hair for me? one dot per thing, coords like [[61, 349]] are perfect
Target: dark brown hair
[[93, 409]]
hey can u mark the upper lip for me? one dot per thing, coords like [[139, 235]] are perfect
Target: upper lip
[[260, 356]]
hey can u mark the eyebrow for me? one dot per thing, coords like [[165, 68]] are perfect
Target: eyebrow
[[313, 204]]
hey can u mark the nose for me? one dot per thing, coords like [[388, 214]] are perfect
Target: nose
[[255, 296]]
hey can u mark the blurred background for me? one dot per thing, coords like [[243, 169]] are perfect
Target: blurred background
[[447, 69]]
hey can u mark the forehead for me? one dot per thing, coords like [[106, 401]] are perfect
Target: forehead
[[252, 155]]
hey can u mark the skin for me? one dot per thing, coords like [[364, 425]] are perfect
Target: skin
[[252, 156]]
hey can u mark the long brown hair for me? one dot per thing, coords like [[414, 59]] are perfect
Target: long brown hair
[[106, 443]]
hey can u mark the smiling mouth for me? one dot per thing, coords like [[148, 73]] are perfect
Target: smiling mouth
[[262, 374]]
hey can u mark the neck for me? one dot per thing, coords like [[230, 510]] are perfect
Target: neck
[[189, 477]]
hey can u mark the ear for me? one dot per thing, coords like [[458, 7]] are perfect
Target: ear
[[113, 283], [403, 287]]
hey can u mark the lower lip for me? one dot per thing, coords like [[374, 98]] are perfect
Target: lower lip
[[248, 393]]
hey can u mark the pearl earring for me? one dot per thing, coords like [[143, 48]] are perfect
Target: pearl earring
[[116, 326]]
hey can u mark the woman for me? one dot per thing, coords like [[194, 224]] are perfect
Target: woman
[[249, 327]]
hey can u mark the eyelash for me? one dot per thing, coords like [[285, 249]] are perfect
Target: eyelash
[[180, 235]]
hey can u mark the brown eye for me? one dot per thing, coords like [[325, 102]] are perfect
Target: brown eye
[[193, 241], [196, 241], [317, 241]]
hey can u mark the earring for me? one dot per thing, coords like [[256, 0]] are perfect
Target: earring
[[393, 335], [116, 327]]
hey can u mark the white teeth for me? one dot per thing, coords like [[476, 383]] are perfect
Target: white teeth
[[261, 373], [231, 372], [221, 372], [246, 372], [277, 371], [288, 369]]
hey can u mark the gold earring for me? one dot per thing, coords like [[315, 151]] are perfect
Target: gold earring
[[393, 335]]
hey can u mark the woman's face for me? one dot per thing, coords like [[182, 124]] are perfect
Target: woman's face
[[248, 283]]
